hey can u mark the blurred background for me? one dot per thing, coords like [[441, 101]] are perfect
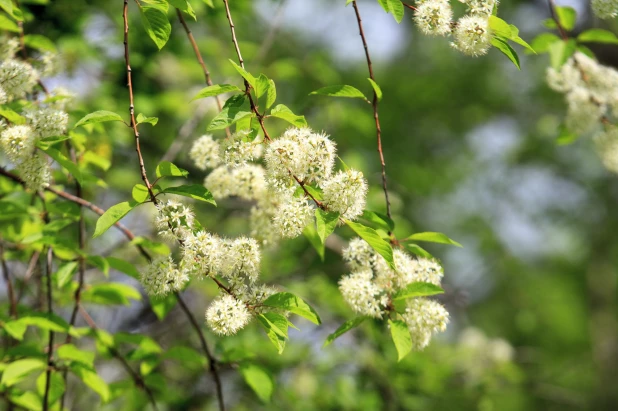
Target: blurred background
[[471, 151]]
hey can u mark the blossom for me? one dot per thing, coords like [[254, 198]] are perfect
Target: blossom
[[358, 254], [345, 193], [163, 277], [47, 122], [17, 78], [8, 48], [241, 259], [434, 17], [424, 318], [292, 216], [18, 142], [227, 315], [480, 7], [472, 35], [205, 152], [202, 253], [246, 181], [605, 9], [362, 294], [35, 171], [240, 148], [174, 220]]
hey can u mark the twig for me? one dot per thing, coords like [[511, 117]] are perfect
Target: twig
[[552, 10], [411, 7], [9, 284], [50, 344], [375, 109]]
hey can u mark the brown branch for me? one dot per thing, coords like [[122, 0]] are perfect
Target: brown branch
[[411, 7], [50, 344], [552, 11], [375, 109], [212, 361], [9, 285]]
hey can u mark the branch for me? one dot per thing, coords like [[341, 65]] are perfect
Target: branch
[[9, 285], [552, 10]]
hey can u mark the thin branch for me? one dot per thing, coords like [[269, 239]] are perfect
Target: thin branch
[[50, 344], [375, 109], [212, 361], [9, 285], [552, 10]]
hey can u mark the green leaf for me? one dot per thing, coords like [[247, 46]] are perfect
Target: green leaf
[[283, 112], [326, 223], [566, 17], [28, 400], [97, 160], [48, 322], [396, 8], [560, 52], [9, 7], [506, 49], [543, 41], [92, 380], [417, 250], [376, 89], [70, 352], [112, 216], [154, 246], [162, 306], [56, 386], [271, 94], [168, 169], [98, 117], [344, 328], [340, 91], [143, 119], [65, 273], [39, 42], [8, 24], [244, 73], [184, 6], [598, 36], [382, 221], [374, 240], [20, 369], [293, 304], [515, 38], [215, 90], [111, 294], [384, 4], [565, 136], [99, 262], [258, 379], [123, 266], [417, 289], [156, 25], [233, 110], [47, 142], [312, 236], [195, 191], [261, 85], [209, 3], [401, 337], [12, 116], [433, 238], [500, 27], [187, 356], [83, 177], [140, 193], [276, 327]]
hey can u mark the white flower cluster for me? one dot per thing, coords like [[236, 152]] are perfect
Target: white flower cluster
[[18, 141], [299, 155], [371, 284], [605, 9], [471, 33], [479, 356]]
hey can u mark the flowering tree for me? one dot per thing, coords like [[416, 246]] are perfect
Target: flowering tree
[[281, 178]]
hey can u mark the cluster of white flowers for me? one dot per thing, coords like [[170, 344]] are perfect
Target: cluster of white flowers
[[478, 356], [605, 9], [591, 93], [18, 141], [471, 33], [162, 277], [299, 155], [368, 289]]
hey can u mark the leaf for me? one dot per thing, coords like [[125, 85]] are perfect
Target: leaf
[[244, 73], [433, 238], [98, 117], [515, 38], [417, 289], [543, 41], [274, 331], [112, 215], [374, 240], [184, 6], [123, 266], [39, 42], [283, 112], [65, 273], [417, 250], [20, 369], [383, 222], [277, 322], [231, 113], [261, 85], [81, 176], [187, 356], [401, 337], [143, 119], [8, 24], [340, 91], [154, 246], [566, 17], [566, 137], [7, 5], [12, 116], [560, 52], [293, 304], [48, 322], [92, 380], [195, 191], [162, 306], [271, 94], [28, 400], [156, 25], [47, 142], [344, 328], [500, 27], [140, 193], [326, 223], [506, 49], [396, 9], [209, 3], [168, 169], [111, 293], [56, 386], [99, 262], [215, 90], [376, 89], [384, 4], [70, 352], [314, 239], [258, 379], [598, 36]]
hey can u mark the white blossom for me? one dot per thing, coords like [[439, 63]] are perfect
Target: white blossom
[[605, 9], [434, 17], [202, 253], [47, 122], [18, 142], [245, 181], [292, 216], [365, 297], [163, 277], [8, 48], [174, 220], [472, 35], [240, 148], [205, 152], [241, 259], [358, 254], [17, 78], [227, 315], [424, 318], [35, 171], [480, 7], [345, 193]]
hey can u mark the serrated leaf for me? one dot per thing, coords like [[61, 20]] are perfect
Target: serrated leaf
[[143, 119], [98, 117], [244, 73], [312, 236], [598, 36], [376, 89], [156, 24], [168, 169], [112, 215], [326, 222], [258, 379], [433, 237], [396, 9], [401, 337], [384, 4], [417, 289], [215, 90], [277, 322], [382, 221], [274, 333], [340, 91], [65, 273], [20, 369], [283, 112], [374, 240], [261, 85], [111, 293], [344, 328], [293, 304], [506, 49], [271, 94], [195, 191]]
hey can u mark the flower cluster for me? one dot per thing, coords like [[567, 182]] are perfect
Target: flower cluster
[[18, 140], [281, 208], [471, 33], [605, 9], [368, 289], [479, 356]]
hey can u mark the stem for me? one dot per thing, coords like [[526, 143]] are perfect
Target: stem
[[50, 344], [552, 10], [375, 109], [211, 359], [9, 285]]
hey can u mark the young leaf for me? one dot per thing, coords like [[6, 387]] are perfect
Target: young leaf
[[262, 84], [156, 24], [560, 52], [81, 176], [507, 50], [274, 330], [215, 90], [162, 306], [168, 169], [376, 89], [326, 223], [20, 369], [140, 193], [258, 379], [111, 293], [340, 91], [11, 10], [293, 304], [12, 116], [113, 215], [184, 6], [344, 328], [8, 24], [283, 112], [195, 191], [98, 117], [383, 222], [401, 337], [384, 4], [416, 249], [143, 119], [39, 42], [123, 266], [65, 273], [154, 246], [233, 111], [566, 17], [314, 239], [433, 238], [245, 74], [70, 352], [374, 240], [47, 142], [92, 380], [396, 8], [543, 41], [271, 94], [417, 289], [598, 36], [500, 27], [56, 386]]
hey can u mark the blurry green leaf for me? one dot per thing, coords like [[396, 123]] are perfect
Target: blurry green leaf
[[95, 159], [376, 89], [543, 41], [47, 142], [244, 73], [168, 169], [83, 177], [515, 38], [39, 42], [401, 337], [8, 24], [20, 369], [566, 137], [113, 215], [374, 240], [585, 50], [258, 379], [140, 193], [184, 6], [9, 7], [143, 119], [344, 328], [111, 294], [326, 223], [271, 94], [598, 36], [417, 289], [162, 306], [417, 250], [28, 400], [383, 222], [56, 386], [154, 246], [98, 117], [99, 262], [433, 238], [274, 331], [195, 191], [499, 27], [188, 357], [396, 8], [566, 17], [215, 90], [12, 116], [312, 236], [340, 91], [560, 52], [156, 24], [49, 322], [233, 111], [293, 304], [384, 4], [65, 273], [506, 49], [70, 352], [283, 112], [92, 380], [209, 3], [123, 266]]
